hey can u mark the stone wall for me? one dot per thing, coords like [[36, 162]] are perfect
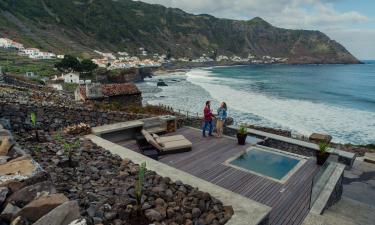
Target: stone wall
[[124, 100], [54, 117], [297, 149], [17, 82]]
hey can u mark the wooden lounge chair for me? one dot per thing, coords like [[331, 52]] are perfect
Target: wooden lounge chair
[[146, 148], [168, 144]]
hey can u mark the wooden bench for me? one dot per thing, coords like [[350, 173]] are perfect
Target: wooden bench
[[119, 131]]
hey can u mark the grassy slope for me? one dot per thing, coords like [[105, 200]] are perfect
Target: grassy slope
[[19, 65]]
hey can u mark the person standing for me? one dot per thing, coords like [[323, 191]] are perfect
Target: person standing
[[221, 117], [207, 119]]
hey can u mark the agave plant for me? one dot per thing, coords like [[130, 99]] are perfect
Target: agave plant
[[242, 130], [323, 147], [139, 185], [33, 120]]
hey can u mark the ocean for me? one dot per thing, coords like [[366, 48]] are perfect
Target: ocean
[[334, 99]]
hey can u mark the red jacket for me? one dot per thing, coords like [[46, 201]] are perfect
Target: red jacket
[[207, 114]]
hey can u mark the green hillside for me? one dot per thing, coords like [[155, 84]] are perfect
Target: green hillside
[[81, 26]]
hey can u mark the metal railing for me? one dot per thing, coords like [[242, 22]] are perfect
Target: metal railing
[[185, 113]]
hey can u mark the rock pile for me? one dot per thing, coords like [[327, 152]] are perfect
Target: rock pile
[[103, 184], [79, 129], [27, 194]]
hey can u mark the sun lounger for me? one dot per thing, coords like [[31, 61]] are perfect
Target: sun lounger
[[168, 144], [165, 139]]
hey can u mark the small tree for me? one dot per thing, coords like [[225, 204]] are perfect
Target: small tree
[[69, 149], [87, 67], [139, 185], [33, 123], [68, 64]]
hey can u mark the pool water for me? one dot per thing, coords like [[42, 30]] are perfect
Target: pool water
[[274, 165]]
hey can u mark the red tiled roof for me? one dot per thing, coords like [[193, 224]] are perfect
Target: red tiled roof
[[109, 90], [120, 89]]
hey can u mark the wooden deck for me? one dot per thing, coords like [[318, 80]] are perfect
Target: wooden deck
[[289, 201]]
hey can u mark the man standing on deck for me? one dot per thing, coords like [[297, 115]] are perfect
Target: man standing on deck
[[207, 119]]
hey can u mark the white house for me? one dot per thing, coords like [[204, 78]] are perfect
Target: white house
[[8, 43], [60, 56], [5, 42], [31, 52], [71, 77], [46, 55], [84, 81], [30, 74]]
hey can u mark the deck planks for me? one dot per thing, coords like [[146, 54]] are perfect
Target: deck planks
[[206, 160]]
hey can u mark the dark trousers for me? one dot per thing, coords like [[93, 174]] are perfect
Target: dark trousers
[[207, 124]]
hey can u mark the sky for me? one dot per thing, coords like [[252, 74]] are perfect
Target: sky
[[350, 22]]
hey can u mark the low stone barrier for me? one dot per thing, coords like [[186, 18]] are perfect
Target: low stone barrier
[[54, 117]]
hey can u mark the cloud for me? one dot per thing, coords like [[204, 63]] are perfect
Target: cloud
[[293, 14], [360, 42], [307, 14]]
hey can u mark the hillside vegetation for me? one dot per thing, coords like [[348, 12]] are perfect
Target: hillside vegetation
[[81, 26]]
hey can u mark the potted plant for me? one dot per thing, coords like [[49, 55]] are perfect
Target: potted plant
[[322, 154], [242, 134]]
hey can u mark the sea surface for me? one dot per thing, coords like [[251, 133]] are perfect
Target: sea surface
[[334, 99]]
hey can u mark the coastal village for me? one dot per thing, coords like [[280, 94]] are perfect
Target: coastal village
[[123, 60]]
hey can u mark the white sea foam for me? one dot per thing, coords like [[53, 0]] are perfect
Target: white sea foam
[[345, 124]]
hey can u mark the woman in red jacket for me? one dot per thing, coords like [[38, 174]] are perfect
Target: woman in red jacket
[[207, 119]]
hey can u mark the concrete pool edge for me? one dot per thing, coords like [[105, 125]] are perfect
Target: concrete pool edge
[[302, 161], [246, 211]]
